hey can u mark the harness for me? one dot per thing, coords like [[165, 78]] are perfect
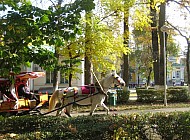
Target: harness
[[75, 95], [99, 89]]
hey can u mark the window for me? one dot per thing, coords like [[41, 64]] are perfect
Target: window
[[49, 77], [173, 75], [177, 74], [63, 80]]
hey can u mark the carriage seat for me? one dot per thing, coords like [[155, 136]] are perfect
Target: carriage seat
[[88, 89]]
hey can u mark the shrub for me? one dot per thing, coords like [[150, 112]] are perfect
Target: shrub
[[122, 95], [149, 95], [105, 127], [178, 94], [174, 94]]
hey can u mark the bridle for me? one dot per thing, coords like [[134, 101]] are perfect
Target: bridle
[[116, 78]]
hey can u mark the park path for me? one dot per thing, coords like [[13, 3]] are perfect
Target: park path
[[132, 97], [127, 112], [136, 111]]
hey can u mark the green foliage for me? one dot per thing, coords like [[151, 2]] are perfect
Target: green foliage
[[20, 31], [149, 95], [116, 127], [122, 96], [174, 94], [25, 28], [178, 94]]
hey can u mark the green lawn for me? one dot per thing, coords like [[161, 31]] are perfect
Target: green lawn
[[134, 105]]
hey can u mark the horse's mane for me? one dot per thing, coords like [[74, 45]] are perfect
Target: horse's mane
[[107, 76]]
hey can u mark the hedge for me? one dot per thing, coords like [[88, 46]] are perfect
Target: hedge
[[149, 95], [174, 94], [163, 126], [122, 96]]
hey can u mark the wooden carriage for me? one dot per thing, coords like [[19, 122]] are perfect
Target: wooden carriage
[[10, 105]]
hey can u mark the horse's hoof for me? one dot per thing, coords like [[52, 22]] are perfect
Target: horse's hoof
[[69, 115]]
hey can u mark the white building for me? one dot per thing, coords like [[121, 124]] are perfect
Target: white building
[[46, 81], [176, 70]]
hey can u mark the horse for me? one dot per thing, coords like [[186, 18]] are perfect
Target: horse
[[93, 95]]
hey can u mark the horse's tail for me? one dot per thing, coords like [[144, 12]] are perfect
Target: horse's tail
[[53, 100]]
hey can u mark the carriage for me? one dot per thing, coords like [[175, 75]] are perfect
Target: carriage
[[11, 103], [65, 97]]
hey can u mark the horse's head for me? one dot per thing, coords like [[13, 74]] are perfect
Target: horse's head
[[118, 80]]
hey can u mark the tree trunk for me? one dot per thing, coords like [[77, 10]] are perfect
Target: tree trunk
[[148, 79], [187, 62], [161, 23], [56, 54], [155, 47], [88, 75], [88, 78], [70, 75], [126, 43], [55, 72]]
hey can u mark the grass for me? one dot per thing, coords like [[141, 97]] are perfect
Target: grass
[[133, 105]]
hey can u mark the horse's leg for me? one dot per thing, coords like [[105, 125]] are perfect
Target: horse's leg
[[93, 107], [107, 109], [59, 111], [68, 110]]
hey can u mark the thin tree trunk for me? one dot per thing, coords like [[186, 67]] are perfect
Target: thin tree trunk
[[187, 62], [87, 64], [126, 43], [161, 23], [70, 75], [148, 79], [155, 47], [87, 74], [55, 73]]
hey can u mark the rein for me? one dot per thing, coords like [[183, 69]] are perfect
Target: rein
[[96, 85], [101, 90], [69, 104]]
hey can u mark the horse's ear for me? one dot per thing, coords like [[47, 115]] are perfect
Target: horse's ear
[[113, 73]]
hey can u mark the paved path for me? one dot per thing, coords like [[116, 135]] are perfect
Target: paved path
[[132, 98], [129, 111]]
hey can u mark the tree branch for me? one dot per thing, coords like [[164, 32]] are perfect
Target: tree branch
[[176, 29], [181, 4], [111, 14]]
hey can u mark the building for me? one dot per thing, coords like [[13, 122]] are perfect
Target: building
[[47, 81], [176, 70]]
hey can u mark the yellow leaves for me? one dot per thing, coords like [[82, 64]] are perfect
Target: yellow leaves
[[107, 52], [141, 18], [72, 129], [18, 31], [114, 5], [10, 27], [156, 3], [1, 40]]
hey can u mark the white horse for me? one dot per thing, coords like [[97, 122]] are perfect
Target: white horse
[[80, 96]]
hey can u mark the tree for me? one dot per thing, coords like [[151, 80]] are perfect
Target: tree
[[53, 26], [183, 31], [141, 54], [103, 41], [19, 32], [162, 14], [63, 26], [155, 47], [87, 58], [142, 37]]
